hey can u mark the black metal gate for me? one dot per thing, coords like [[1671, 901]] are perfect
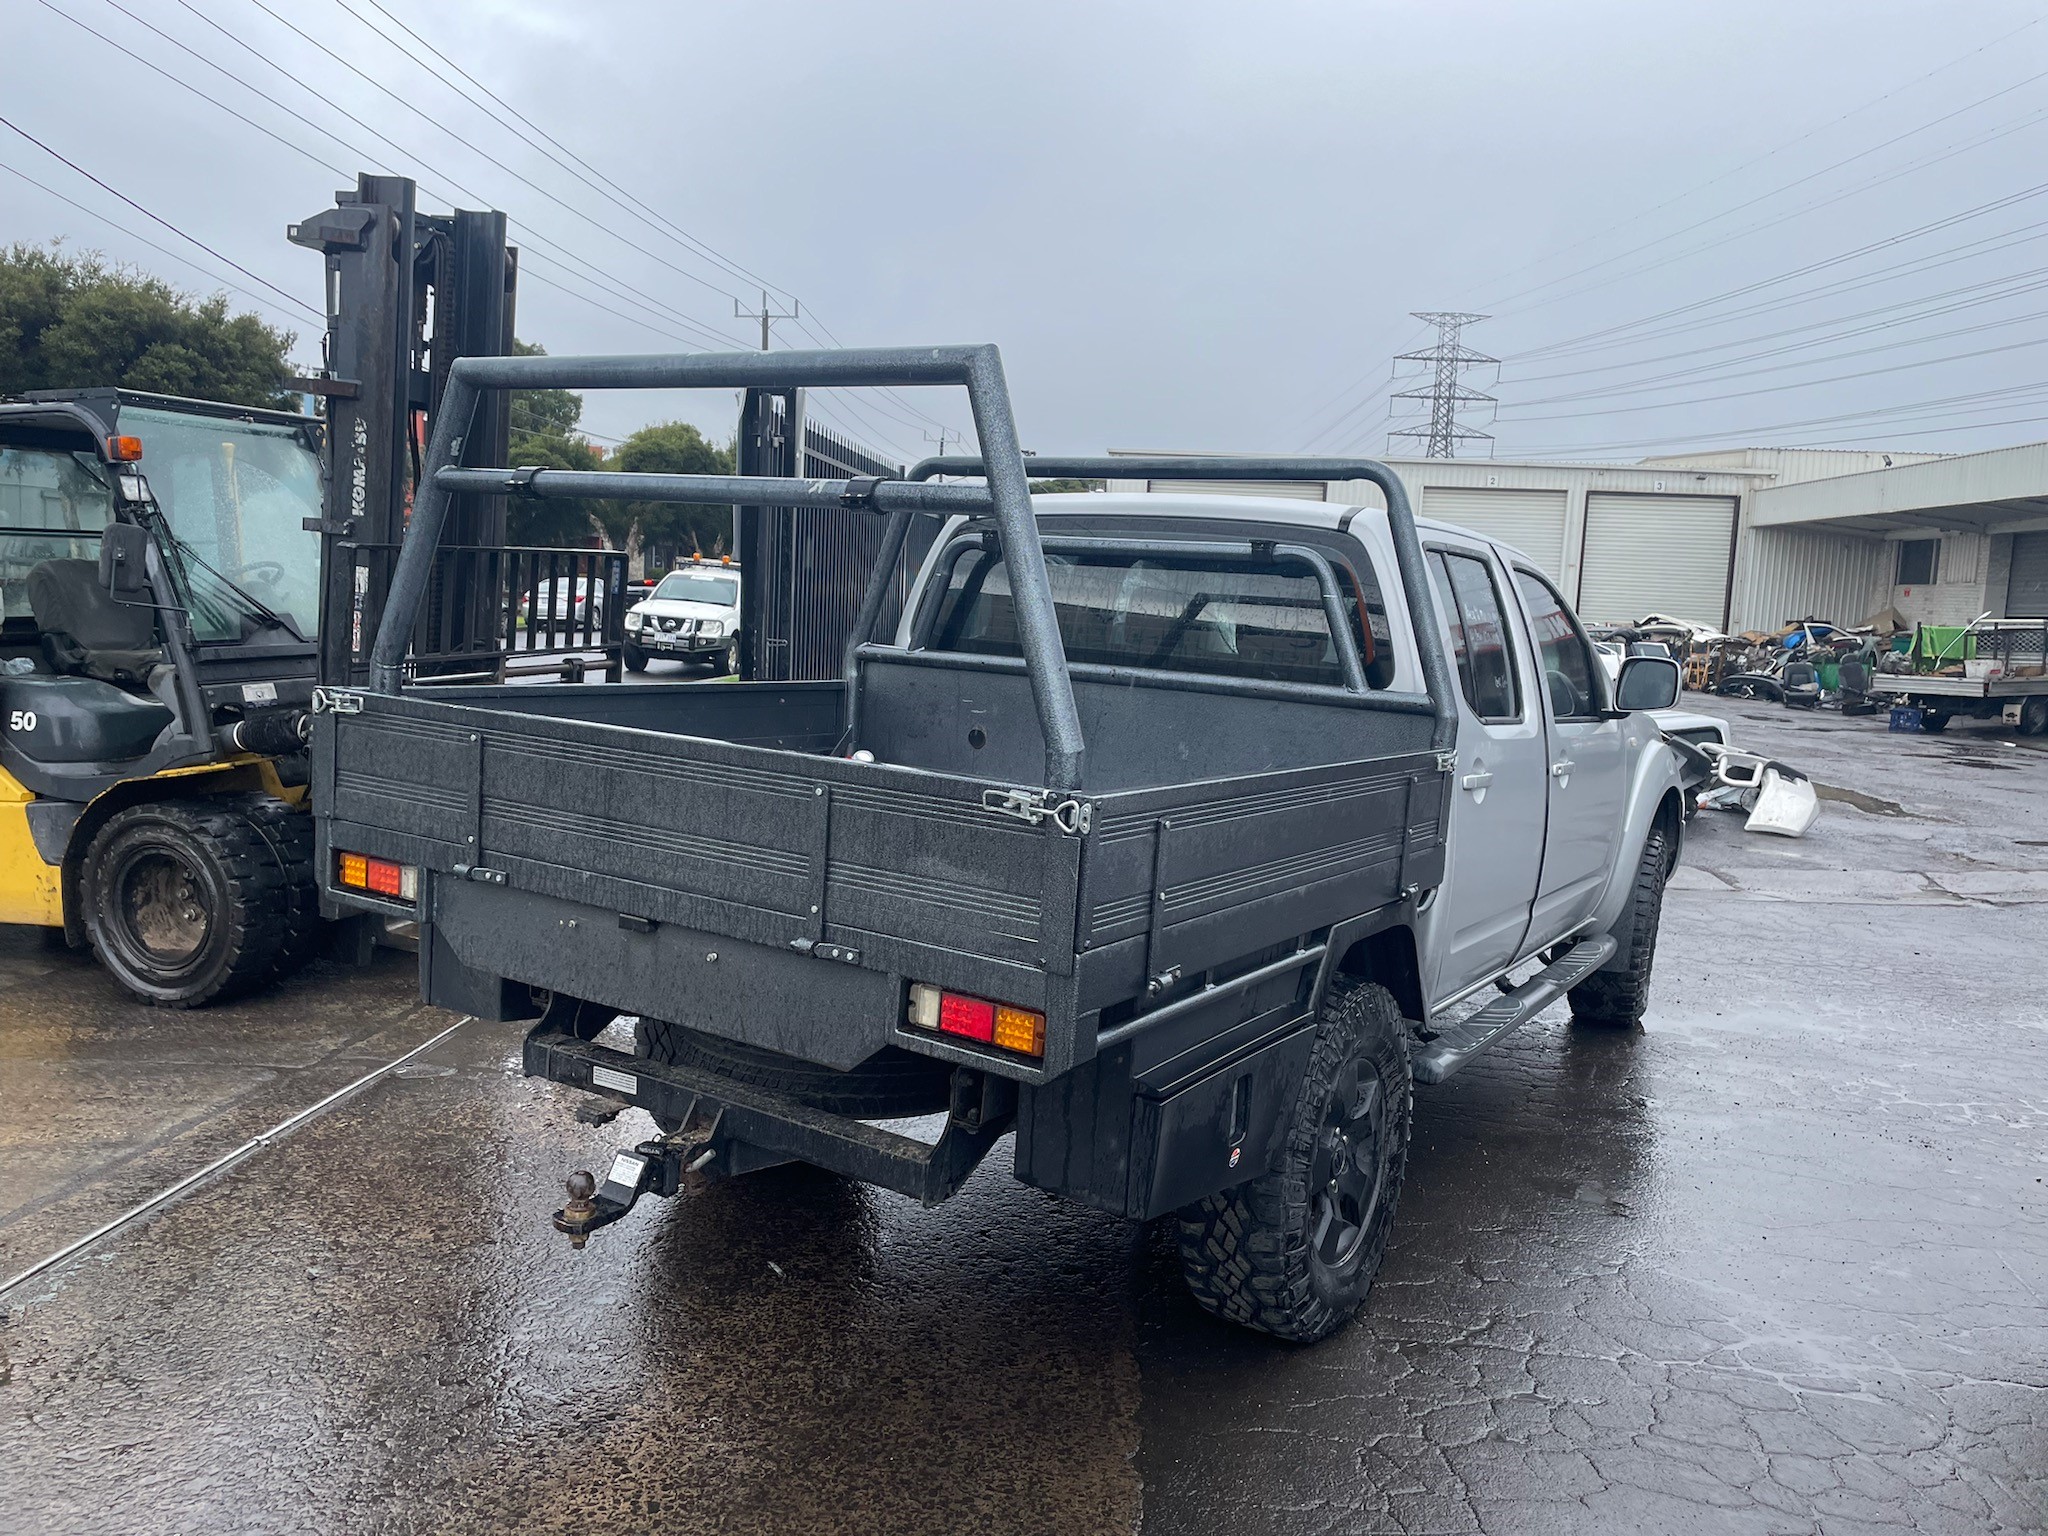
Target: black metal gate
[[803, 569]]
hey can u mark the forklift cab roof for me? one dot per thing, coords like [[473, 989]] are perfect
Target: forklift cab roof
[[98, 412]]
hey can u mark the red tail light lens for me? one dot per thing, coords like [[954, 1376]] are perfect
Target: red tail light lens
[[972, 1018], [1003, 1025], [380, 877]]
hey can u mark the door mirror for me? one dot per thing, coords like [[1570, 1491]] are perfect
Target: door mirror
[[124, 560], [1646, 682]]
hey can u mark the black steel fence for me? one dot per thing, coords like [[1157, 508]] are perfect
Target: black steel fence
[[804, 568]]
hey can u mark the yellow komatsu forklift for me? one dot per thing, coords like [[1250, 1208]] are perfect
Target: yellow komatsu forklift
[[159, 605]]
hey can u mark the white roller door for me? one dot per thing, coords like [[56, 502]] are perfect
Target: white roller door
[[1292, 490], [1532, 521], [1656, 554]]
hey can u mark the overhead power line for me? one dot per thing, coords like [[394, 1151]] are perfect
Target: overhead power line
[[1775, 389], [585, 169], [1811, 176], [531, 237], [163, 250], [159, 219], [1695, 377], [1771, 154]]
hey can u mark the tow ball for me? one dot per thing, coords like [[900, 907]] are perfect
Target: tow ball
[[659, 1167]]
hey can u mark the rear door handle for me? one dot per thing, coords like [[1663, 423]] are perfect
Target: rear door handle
[[1475, 781], [1560, 769]]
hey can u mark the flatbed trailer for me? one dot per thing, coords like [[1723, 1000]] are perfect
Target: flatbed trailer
[[2019, 695]]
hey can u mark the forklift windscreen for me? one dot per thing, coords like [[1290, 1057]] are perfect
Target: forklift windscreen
[[236, 494]]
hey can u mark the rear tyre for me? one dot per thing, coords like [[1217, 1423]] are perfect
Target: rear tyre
[[186, 901], [889, 1084], [636, 659], [1617, 999], [1294, 1252], [2034, 715], [1933, 721]]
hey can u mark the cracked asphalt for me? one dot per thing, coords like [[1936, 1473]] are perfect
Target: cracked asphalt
[[1776, 1264]]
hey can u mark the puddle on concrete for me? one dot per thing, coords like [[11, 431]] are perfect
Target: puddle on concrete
[[1860, 800]]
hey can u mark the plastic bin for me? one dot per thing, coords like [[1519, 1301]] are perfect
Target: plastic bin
[[1905, 718]]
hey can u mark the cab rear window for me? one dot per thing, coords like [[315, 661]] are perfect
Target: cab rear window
[[1258, 617]]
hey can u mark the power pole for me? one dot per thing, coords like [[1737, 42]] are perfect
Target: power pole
[[940, 439], [1449, 358], [766, 316]]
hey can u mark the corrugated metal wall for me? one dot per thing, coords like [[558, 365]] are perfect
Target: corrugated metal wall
[[1793, 573]]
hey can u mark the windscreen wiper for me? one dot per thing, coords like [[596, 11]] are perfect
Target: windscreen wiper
[[262, 609]]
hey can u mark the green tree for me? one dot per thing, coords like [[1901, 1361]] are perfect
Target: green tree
[[544, 433], [1055, 487], [74, 321], [669, 448]]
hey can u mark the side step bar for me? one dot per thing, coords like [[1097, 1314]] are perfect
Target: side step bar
[[1462, 1041], [756, 1128]]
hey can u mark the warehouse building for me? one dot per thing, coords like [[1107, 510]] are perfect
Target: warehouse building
[[1749, 538]]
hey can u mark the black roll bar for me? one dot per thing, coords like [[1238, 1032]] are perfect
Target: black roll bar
[[1007, 496], [1408, 562]]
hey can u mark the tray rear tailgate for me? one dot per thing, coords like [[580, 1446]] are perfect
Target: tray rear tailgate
[[909, 870]]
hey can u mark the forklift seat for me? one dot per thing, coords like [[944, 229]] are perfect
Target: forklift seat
[[86, 630]]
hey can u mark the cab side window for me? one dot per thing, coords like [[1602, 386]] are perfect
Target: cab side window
[[1479, 634], [1566, 658]]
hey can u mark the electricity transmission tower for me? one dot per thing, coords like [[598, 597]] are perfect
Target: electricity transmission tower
[[1449, 358]]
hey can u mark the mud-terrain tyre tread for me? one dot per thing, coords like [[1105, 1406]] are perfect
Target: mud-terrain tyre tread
[[249, 895], [1245, 1251], [1617, 999], [289, 831], [892, 1083]]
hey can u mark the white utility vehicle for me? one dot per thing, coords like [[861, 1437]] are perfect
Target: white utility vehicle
[[693, 615]]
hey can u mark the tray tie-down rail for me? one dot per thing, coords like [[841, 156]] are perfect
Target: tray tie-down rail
[[726, 1128]]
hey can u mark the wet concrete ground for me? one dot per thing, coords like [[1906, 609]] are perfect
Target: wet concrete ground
[[1776, 1264]]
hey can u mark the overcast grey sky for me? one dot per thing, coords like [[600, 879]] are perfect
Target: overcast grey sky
[[1188, 225]]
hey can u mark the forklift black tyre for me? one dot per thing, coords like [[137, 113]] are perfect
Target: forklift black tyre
[[889, 1084], [186, 901], [1294, 1252], [1933, 721], [289, 832], [1617, 999], [636, 659]]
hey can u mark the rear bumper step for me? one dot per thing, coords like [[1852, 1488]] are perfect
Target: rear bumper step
[[1462, 1041], [754, 1128]]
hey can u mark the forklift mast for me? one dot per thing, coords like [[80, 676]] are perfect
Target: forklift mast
[[406, 294]]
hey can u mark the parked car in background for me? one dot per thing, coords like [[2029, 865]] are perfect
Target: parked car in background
[[693, 615], [565, 600]]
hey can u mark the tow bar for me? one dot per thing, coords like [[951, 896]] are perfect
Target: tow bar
[[660, 1167]]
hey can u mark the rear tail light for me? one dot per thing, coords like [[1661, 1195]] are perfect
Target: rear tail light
[[380, 877], [1002, 1025]]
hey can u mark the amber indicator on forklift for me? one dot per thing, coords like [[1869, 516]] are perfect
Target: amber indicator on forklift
[[380, 877], [1002, 1025], [124, 450]]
